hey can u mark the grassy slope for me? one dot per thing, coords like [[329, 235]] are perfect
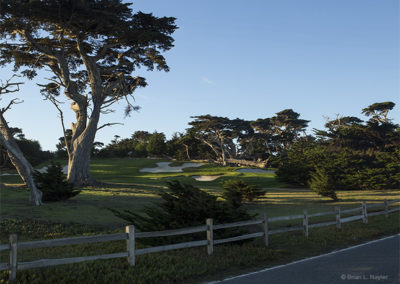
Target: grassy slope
[[133, 190]]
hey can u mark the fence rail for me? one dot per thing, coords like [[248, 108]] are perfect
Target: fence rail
[[130, 236], [176, 232]]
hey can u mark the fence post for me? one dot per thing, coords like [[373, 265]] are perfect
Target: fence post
[[386, 208], [338, 221], [265, 223], [364, 212], [130, 244], [210, 237], [305, 224], [13, 258]]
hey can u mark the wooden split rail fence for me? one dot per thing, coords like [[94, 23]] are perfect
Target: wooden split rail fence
[[130, 236]]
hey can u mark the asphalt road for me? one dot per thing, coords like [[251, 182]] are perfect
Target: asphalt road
[[373, 262]]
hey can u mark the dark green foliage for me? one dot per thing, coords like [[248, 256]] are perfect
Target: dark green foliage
[[347, 169], [349, 154], [379, 111], [237, 191], [53, 184], [156, 145], [183, 205], [322, 184], [296, 165]]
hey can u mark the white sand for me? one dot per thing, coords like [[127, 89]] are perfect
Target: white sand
[[44, 170], [7, 174], [249, 170], [206, 178], [163, 167]]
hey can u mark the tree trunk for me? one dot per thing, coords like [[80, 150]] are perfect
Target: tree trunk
[[81, 149], [222, 152], [259, 164], [79, 163], [187, 151], [17, 158]]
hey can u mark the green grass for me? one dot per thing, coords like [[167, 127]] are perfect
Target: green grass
[[128, 188], [131, 189], [186, 265]]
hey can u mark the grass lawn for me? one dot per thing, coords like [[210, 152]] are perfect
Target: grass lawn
[[128, 188], [132, 190]]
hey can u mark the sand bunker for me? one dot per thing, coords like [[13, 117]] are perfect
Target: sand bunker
[[7, 174], [163, 167], [206, 178], [255, 171], [44, 170]]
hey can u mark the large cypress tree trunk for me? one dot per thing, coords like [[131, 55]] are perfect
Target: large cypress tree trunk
[[79, 163], [81, 149], [17, 158]]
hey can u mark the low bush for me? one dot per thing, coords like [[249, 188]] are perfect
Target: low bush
[[237, 191], [321, 183], [182, 206], [53, 184]]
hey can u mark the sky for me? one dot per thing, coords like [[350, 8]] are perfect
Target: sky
[[249, 59]]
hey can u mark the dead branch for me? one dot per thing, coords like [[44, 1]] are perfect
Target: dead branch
[[12, 102], [56, 103], [109, 124]]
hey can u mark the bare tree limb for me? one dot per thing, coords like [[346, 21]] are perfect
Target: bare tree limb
[[12, 102], [56, 104], [108, 124]]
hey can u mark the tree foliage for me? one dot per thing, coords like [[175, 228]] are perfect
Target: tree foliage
[[349, 154], [91, 49]]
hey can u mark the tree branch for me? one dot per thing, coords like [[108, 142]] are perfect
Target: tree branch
[[108, 124], [9, 87], [12, 102], [55, 103], [48, 52]]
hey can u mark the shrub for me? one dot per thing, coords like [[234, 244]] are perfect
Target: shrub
[[322, 184], [295, 167], [237, 191], [53, 185], [183, 205]]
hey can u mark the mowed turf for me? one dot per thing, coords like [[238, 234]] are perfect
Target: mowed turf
[[128, 188]]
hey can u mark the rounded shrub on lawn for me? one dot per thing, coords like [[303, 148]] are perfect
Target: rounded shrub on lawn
[[53, 184]]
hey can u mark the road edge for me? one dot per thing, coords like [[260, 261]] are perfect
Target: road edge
[[302, 260]]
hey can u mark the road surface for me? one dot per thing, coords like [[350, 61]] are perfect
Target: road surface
[[374, 262]]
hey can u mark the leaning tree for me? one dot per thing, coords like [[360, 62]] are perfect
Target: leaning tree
[[17, 158], [216, 132], [91, 49]]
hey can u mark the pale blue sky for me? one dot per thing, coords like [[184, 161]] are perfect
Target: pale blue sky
[[251, 59]]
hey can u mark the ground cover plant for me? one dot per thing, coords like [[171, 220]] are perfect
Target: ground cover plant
[[187, 265]]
